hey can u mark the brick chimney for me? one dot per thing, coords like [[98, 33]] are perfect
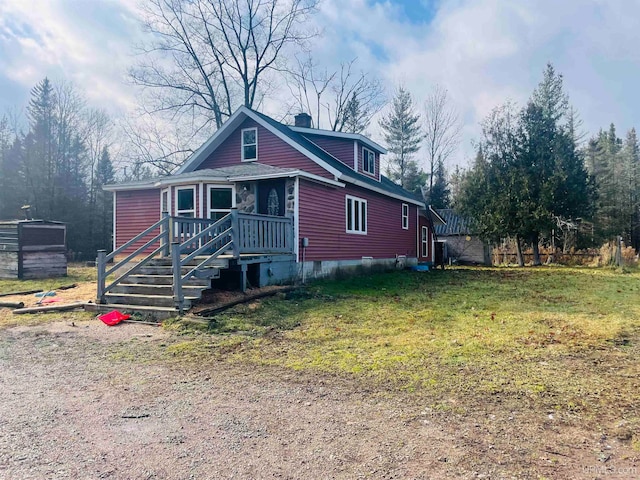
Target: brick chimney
[[303, 120]]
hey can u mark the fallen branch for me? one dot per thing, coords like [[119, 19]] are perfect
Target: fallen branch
[[50, 308], [211, 311], [11, 304], [26, 292], [67, 287]]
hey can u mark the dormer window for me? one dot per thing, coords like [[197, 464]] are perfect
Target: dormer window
[[249, 144], [368, 161]]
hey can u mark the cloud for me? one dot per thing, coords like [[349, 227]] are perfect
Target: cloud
[[83, 42]]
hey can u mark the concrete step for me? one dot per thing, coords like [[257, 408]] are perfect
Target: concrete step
[[145, 279], [147, 313], [146, 300], [146, 289]]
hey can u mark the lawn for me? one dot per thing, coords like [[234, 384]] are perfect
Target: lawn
[[550, 339]]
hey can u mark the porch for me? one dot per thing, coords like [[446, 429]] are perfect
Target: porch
[[174, 260]]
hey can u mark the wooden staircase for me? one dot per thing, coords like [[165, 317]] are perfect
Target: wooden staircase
[[177, 258], [150, 290]]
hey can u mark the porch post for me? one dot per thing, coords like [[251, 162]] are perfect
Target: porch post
[[102, 265], [235, 233], [165, 241], [178, 298]]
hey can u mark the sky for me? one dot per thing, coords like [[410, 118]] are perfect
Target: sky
[[484, 52]]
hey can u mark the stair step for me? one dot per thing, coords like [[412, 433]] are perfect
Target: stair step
[[152, 289], [146, 300], [148, 313], [148, 279], [167, 262], [167, 270]]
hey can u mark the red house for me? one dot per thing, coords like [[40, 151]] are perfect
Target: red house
[[271, 201]]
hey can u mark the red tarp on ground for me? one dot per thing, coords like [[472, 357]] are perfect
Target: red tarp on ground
[[113, 318]]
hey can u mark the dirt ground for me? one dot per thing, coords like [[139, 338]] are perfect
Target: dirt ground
[[88, 401]]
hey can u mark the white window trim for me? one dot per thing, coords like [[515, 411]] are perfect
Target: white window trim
[[366, 156], [242, 144], [193, 211], [405, 216], [209, 210], [424, 242], [346, 214], [168, 192]]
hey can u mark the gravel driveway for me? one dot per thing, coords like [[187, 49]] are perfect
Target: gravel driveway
[[93, 402]]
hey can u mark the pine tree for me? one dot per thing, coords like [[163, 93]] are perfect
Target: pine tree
[[355, 120], [440, 194], [105, 175], [402, 133]]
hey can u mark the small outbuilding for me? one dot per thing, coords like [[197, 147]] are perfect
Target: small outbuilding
[[460, 244], [32, 249]]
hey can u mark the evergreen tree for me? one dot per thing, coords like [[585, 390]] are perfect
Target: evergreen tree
[[439, 197], [355, 120], [402, 133], [105, 175]]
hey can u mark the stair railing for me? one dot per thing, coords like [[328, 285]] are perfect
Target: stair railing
[[213, 241], [163, 238]]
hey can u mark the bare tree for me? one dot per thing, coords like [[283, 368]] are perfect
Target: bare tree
[[345, 99], [441, 131], [206, 57]]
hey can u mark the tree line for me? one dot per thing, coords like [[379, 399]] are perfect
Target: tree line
[[532, 181], [56, 166]]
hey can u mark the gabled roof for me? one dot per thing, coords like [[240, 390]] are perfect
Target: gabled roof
[[350, 136], [455, 224], [305, 146]]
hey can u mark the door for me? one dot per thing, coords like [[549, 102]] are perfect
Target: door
[[271, 198]]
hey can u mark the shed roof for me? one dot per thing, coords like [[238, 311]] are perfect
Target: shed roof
[[454, 223]]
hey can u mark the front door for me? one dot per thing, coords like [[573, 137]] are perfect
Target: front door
[[271, 199]]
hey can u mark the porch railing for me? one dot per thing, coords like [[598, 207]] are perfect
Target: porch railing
[[183, 239]]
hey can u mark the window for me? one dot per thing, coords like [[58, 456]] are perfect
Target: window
[[368, 161], [164, 201], [424, 242], [356, 209], [405, 216], [220, 201], [249, 144], [186, 201]]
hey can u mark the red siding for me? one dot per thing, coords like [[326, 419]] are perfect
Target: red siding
[[361, 162], [323, 221], [271, 151], [341, 148], [136, 210]]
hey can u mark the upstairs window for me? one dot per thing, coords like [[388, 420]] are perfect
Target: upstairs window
[[405, 216], [368, 161], [356, 212], [249, 144]]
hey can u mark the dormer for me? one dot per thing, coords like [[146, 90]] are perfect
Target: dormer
[[354, 150]]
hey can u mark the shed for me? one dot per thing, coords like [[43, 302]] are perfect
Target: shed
[[460, 243], [32, 249]]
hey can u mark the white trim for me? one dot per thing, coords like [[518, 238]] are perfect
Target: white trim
[[432, 254], [367, 186], [242, 145], [365, 149], [405, 217], [114, 221], [296, 219], [360, 201], [168, 192], [201, 213], [232, 187], [193, 189], [331, 133], [355, 155], [424, 242], [433, 210]]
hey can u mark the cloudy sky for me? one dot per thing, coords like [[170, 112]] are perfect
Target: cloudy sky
[[483, 51]]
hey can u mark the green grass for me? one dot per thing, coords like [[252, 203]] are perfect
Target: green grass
[[75, 274], [551, 338]]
